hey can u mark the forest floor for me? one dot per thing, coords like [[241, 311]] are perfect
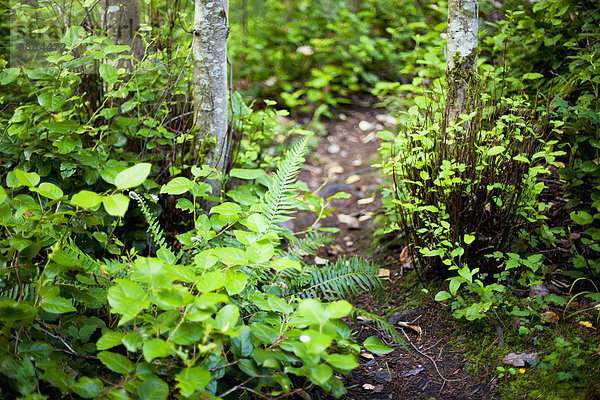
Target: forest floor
[[427, 366]]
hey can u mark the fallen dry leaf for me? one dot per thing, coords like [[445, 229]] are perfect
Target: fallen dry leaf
[[349, 220], [560, 164], [352, 179], [384, 273], [368, 356], [366, 200], [368, 386], [365, 217], [550, 317], [405, 256], [412, 326], [587, 324]]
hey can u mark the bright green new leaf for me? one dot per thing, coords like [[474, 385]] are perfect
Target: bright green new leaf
[[177, 186], [443, 295], [27, 178], [230, 256], [226, 209], [374, 345], [150, 271], [49, 190], [469, 239], [86, 199], [191, 379], [2, 194], [321, 373], [283, 263], [256, 223], [116, 204], [156, 348], [236, 282], [343, 362], [338, 309], [246, 173], [133, 176], [495, 150], [172, 297], [109, 340], [227, 317], [128, 299], [582, 217], [116, 362]]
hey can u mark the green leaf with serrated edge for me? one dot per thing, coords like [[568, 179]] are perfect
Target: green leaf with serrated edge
[[86, 199], [191, 379], [443, 295], [374, 345], [115, 362], [57, 305], [109, 73], [236, 282], [133, 176], [109, 340], [27, 178], [177, 186], [153, 389], [116, 204], [49, 190], [227, 317], [156, 348]]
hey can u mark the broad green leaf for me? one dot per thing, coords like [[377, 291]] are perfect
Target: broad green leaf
[[150, 270], [260, 253], [116, 362], [246, 173], [226, 209], [191, 379], [153, 389], [311, 311], [172, 297], [27, 178], [242, 343], [264, 332], [236, 282], [109, 73], [177, 186], [374, 345], [279, 305], [15, 312], [469, 239], [2, 194], [49, 190], [532, 76], [9, 75], [57, 305], [127, 298], [86, 199], [211, 281], [51, 100], [109, 340], [230, 256], [344, 362], [443, 295], [582, 217], [133, 176], [283, 263], [256, 223], [88, 388], [227, 317], [73, 36], [338, 309], [133, 341], [116, 204], [156, 348], [321, 373], [495, 150]]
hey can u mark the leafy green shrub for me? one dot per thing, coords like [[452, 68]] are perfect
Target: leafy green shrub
[[463, 192]]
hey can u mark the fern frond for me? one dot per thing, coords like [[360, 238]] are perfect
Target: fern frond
[[381, 323], [338, 280], [300, 247], [279, 199], [154, 229]]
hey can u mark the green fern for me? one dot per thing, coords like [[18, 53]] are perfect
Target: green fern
[[336, 281], [381, 323], [300, 247], [279, 199]]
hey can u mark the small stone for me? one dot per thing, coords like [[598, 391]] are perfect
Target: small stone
[[366, 126], [368, 386], [366, 200], [352, 179], [349, 220], [519, 359], [357, 163], [333, 148], [320, 261]]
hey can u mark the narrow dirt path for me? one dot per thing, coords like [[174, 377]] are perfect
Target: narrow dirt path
[[428, 367]]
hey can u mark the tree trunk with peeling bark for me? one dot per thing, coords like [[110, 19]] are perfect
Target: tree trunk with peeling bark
[[211, 30], [461, 55]]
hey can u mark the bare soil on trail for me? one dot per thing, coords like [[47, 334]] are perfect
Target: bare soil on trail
[[428, 367]]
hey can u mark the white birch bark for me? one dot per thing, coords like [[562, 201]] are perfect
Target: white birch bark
[[210, 81], [461, 54]]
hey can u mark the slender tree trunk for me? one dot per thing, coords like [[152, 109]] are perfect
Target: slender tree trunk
[[461, 55], [121, 19], [210, 82]]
